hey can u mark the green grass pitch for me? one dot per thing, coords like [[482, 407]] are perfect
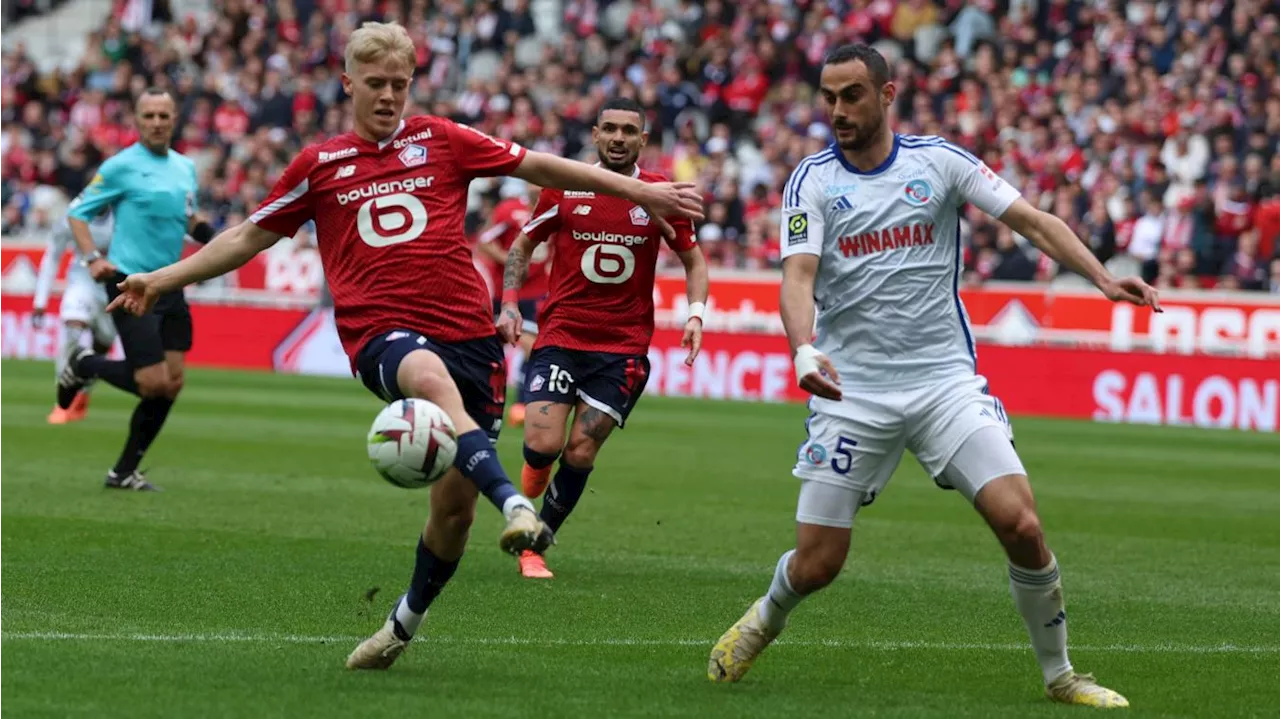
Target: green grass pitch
[[240, 590]]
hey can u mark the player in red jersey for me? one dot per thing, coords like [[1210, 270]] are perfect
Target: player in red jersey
[[509, 217], [591, 355], [412, 311]]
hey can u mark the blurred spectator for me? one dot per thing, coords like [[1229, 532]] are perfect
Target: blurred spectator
[[1110, 114]]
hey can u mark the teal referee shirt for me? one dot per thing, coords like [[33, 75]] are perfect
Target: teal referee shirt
[[154, 197]]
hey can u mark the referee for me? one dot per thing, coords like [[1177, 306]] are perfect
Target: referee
[[152, 191]]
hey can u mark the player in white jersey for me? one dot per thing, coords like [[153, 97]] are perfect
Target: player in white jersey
[[83, 308], [870, 240]]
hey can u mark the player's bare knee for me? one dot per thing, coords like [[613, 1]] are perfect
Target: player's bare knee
[[545, 441], [1021, 530], [580, 452], [153, 382]]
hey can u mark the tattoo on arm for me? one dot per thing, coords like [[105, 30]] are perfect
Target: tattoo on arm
[[516, 270], [596, 424]]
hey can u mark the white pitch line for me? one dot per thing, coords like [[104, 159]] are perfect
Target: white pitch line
[[221, 638]]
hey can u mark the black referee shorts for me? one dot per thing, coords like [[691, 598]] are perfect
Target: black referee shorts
[[166, 328]]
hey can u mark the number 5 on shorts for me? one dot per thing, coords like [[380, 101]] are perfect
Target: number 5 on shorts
[[842, 459]]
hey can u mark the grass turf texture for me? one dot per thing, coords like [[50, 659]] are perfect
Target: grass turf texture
[[240, 590]]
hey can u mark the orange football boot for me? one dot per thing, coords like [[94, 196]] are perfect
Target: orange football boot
[[533, 566], [516, 415], [79, 408], [534, 481]]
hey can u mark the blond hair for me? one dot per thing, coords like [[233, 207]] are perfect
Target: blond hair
[[375, 40]]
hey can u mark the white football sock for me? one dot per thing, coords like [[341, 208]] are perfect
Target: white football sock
[[1037, 593], [408, 620], [514, 502], [781, 598]]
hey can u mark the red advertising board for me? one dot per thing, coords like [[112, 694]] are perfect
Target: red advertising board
[[1102, 385]]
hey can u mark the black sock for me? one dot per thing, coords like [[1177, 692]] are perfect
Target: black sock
[[148, 418], [537, 459], [563, 494], [116, 373], [479, 463], [430, 574]]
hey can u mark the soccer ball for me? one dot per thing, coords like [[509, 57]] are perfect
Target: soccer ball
[[412, 443]]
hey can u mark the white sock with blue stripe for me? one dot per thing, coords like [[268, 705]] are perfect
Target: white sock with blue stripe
[[1037, 593]]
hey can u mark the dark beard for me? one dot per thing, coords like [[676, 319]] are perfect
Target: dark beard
[[864, 140], [615, 166]]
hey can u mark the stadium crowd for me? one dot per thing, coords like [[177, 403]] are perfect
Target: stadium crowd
[[1150, 127]]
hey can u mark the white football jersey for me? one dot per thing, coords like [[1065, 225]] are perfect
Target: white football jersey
[[888, 243], [61, 241]]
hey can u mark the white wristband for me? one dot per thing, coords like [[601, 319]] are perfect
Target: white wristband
[[806, 361], [697, 309]]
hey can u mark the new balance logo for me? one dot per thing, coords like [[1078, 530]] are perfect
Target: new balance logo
[[345, 171], [842, 205], [1058, 620], [583, 210]]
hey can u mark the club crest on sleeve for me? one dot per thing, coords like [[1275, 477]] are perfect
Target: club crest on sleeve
[[798, 229], [918, 193], [639, 216], [413, 155]]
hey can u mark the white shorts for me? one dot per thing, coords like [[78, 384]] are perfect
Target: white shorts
[[857, 443], [87, 303]]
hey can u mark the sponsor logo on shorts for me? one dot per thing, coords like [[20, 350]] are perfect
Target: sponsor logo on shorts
[[798, 229], [815, 453], [397, 336], [338, 154]]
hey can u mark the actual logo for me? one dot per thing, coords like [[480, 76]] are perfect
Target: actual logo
[[918, 193], [413, 155], [639, 216]]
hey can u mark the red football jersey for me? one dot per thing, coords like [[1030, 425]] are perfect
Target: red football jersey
[[606, 249], [509, 217], [389, 228]]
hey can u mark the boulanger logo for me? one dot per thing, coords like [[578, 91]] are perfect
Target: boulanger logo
[[374, 189], [610, 237], [918, 193]]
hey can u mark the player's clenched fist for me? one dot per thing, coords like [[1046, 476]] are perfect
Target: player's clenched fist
[[137, 295], [815, 373], [510, 323]]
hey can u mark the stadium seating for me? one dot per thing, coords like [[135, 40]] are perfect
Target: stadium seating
[[1157, 109]]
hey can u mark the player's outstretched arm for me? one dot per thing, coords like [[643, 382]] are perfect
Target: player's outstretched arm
[[514, 274], [697, 284], [660, 199], [1053, 237], [224, 253], [813, 370]]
